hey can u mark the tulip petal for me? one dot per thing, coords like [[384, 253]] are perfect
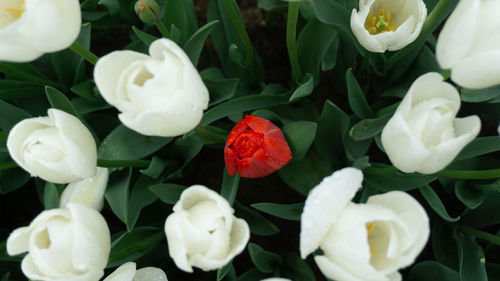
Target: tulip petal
[[88, 192], [125, 272], [457, 35], [150, 274], [336, 272], [323, 205], [477, 71], [176, 243]]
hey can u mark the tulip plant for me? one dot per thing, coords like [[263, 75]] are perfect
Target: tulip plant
[[247, 140]]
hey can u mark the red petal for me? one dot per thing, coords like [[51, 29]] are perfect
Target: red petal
[[231, 159], [259, 125], [276, 147], [257, 166]]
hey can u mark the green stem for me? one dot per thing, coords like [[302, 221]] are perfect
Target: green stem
[[494, 239], [472, 175], [80, 50], [162, 28], [7, 165], [240, 28], [143, 164], [291, 31]]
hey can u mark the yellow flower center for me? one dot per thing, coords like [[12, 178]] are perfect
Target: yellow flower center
[[380, 23], [10, 11], [369, 230]]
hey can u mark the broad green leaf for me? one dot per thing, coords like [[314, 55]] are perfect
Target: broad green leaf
[[357, 99], [332, 128], [471, 258], [479, 95], [11, 115], [6, 277], [222, 272], [117, 193], [25, 72], [361, 162], [251, 275], [140, 197], [181, 14], [16, 89], [304, 89], [183, 150], [156, 167], [229, 186], [242, 104], [432, 271], [50, 196], [169, 193], [12, 179], [312, 55], [368, 128], [393, 180], [220, 88], [84, 107], [485, 215], [330, 59], [88, 91], [478, 147], [284, 211], [146, 38], [300, 135], [265, 261], [444, 248], [436, 204], [305, 174], [132, 245], [258, 224], [59, 100], [125, 144], [194, 45], [113, 6], [469, 195], [295, 268], [331, 12]]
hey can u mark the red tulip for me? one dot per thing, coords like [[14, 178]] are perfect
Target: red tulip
[[255, 148]]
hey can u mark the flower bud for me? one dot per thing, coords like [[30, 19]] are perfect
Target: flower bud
[[147, 10]]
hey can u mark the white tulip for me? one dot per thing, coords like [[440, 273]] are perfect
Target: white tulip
[[469, 44], [276, 278], [382, 25], [30, 28], [158, 95], [70, 244], [88, 192], [128, 272], [203, 232], [423, 135], [361, 242], [57, 148]]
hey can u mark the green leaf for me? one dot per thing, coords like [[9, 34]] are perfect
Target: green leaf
[[68, 65], [300, 135], [471, 258], [357, 99], [125, 144], [368, 128], [183, 150], [470, 196], [433, 199], [113, 6], [312, 55], [11, 115], [390, 179], [88, 91], [296, 268], [59, 100], [146, 38], [432, 271], [169, 193], [181, 14], [220, 88], [132, 245], [305, 174], [284, 211], [304, 89], [117, 193], [12, 179], [229, 186], [6, 277], [485, 215], [156, 167], [50, 196], [140, 197], [331, 12], [194, 45], [25, 72], [478, 147], [258, 224], [332, 128], [265, 261], [479, 95], [251, 275], [222, 272], [241, 104]]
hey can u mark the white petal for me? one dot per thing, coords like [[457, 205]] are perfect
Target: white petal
[[335, 272], [456, 37], [88, 192], [275, 279], [415, 217], [125, 272], [176, 242], [323, 205], [477, 71], [108, 70], [51, 25], [150, 274], [366, 40]]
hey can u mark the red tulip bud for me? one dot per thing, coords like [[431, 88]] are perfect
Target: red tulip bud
[[255, 148]]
